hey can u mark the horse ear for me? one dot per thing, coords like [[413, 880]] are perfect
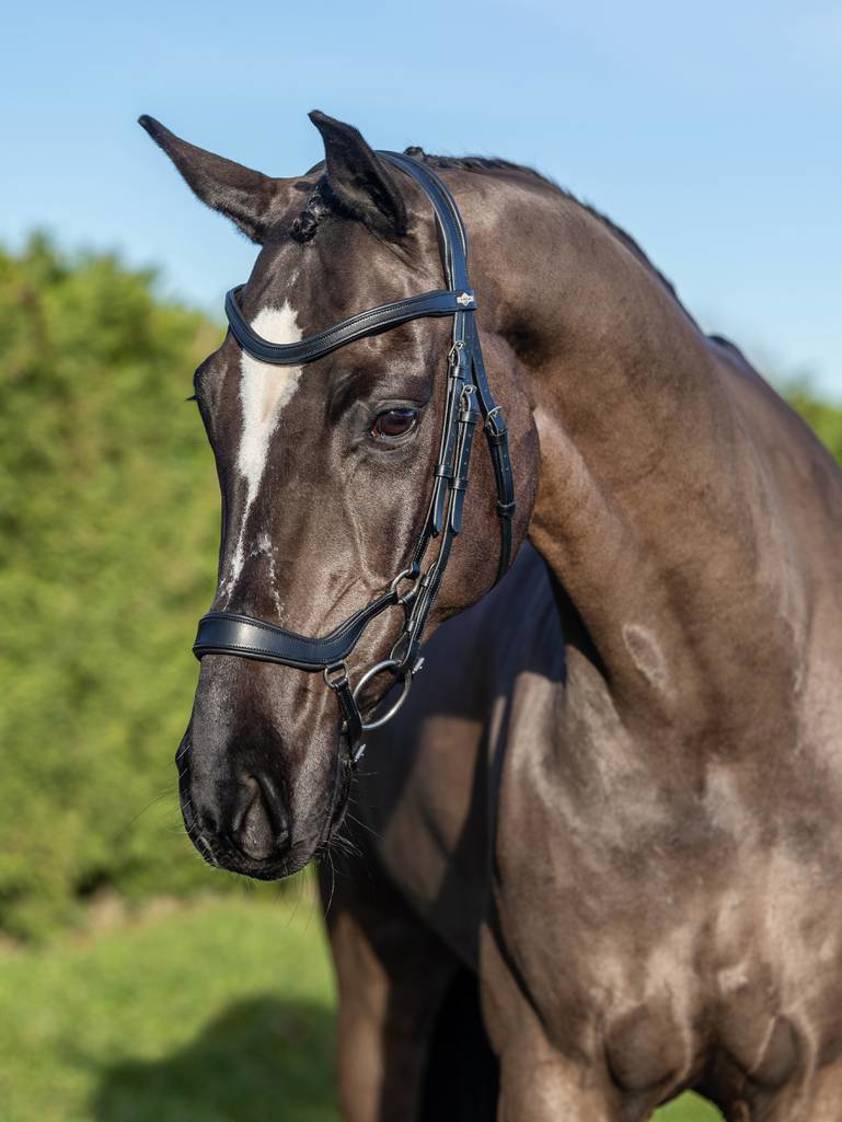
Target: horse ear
[[250, 199], [359, 179]]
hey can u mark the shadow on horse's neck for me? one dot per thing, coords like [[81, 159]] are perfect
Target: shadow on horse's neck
[[648, 498]]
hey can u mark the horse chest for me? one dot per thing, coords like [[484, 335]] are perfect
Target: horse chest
[[657, 981]]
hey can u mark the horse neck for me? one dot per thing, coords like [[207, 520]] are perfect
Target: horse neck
[[648, 499]]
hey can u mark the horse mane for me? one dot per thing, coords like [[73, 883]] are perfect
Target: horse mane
[[494, 163], [321, 202]]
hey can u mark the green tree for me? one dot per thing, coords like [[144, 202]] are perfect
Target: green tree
[[108, 538]]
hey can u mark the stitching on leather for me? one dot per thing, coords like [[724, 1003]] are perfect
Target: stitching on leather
[[300, 664]]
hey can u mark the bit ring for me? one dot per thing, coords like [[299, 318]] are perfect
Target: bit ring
[[378, 668]]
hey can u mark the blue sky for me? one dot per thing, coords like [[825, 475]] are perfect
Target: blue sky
[[711, 131]]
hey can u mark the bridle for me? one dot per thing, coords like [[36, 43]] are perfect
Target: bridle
[[468, 400]]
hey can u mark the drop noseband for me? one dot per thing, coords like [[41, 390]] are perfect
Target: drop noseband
[[468, 401]]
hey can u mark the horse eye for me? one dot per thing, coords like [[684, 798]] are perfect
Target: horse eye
[[394, 422]]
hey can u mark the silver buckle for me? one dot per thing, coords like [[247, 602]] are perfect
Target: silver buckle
[[455, 351], [335, 675], [415, 575]]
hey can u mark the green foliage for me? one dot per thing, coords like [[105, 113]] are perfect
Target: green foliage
[[108, 539], [217, 1013], [825, 419]]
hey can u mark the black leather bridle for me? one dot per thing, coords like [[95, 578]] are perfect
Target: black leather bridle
[[468, 400]]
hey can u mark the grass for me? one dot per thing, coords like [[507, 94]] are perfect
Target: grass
[[218, 1012]]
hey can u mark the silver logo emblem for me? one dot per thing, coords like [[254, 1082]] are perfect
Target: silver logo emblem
[[464, 298]]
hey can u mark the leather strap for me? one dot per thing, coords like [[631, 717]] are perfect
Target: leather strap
[[497, 438], [232, 633], [454, 237], [352, 722], [371, 322], [450, 221]]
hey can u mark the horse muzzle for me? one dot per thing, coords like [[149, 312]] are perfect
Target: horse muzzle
[[254, 809]]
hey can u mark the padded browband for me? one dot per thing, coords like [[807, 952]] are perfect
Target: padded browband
[[441, 302], [231, 633]]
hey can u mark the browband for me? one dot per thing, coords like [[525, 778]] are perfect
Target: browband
[[371, 322]]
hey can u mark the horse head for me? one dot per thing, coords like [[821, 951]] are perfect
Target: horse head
[[327, 470]]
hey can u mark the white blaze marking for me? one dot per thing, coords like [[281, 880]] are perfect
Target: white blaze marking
[[264, 391]]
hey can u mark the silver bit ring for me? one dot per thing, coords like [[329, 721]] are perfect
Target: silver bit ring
[[399, 672]]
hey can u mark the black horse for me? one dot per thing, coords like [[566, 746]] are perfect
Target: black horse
[[615, 801]]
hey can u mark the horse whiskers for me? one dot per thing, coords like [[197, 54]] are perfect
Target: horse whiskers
[[343, 846], [346, 846], [364, 825], [329, 856], [156, 799]]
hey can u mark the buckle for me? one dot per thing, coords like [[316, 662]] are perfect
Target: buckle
[[455, 353], [495, 423], [336, 675], [413, 574], [468, 409]]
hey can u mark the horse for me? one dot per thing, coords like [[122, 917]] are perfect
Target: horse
[[606, 835]]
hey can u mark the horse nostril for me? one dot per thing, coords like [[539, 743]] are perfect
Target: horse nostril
[[262, 825]]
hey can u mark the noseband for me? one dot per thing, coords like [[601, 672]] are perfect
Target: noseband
[[468, 401]]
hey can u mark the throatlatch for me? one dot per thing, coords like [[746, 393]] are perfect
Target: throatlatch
[[469, 401]]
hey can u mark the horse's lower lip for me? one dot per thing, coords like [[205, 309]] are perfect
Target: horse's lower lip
[[235, 862], [273, 870]]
